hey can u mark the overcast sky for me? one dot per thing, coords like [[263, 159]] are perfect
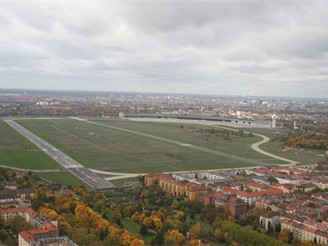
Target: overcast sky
[[275, 48]]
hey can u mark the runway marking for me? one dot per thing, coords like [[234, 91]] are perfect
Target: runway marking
[[185, 145]]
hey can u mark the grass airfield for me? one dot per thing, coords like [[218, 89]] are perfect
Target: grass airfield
[[107, 149], [103, 148]]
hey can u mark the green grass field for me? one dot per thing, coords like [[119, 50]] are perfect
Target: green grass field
[[190, 133], [304, 156], [63, 178], [103, 148], [123, 182], [237, 146], [17, 151]]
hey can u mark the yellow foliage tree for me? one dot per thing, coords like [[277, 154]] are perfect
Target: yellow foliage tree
[[137, 242], [176, 236], [195, 230], [149, 222], [157, 222]]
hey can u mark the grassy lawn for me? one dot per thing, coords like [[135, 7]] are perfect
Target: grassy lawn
[[17, 151], [123, 182], [100, 147], [130, 226], [135, 228], [63, 178], [190, 133], [277, 162], [305, 156]]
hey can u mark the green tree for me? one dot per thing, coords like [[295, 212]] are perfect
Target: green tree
[[273, 179], [143, 230], [192, 215], [113, 240], [3, 235], [18, 224], [195, 231], [2, 222]]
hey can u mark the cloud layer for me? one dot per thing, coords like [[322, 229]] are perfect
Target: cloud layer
[[240, 48]]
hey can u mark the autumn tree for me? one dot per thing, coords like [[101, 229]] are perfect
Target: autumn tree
[[174, 236], [195, 230], [285, 235]]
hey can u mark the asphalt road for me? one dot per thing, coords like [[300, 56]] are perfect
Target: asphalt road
[[65, 161]]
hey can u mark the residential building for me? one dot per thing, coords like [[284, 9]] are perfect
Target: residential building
[[306, 231], [151, 178], [194, 191], [232, 204], [170, 185], [269, 219]]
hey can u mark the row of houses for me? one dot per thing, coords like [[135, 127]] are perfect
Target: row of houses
[[44, 232], [306, 232], [16, 197], [177, 188], [271, 188]]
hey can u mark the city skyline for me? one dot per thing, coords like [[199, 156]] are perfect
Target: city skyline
[[241, 48]]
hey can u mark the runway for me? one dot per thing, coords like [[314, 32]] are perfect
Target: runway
[[65, 161]]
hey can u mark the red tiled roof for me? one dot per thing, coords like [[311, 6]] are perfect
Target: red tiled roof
[[26, 235], [322, 234], [289, 169], [316, 225], [195, 187], [309, 229], [275, 174], [31, 212], [13, 210], [153, 175], [254, 184], [214, 194], [169, 178], [49, 226], [38, 231], [272, 191], [262, 169], [287, 222]]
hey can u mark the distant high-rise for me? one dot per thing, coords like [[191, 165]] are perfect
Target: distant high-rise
[[274, 120]]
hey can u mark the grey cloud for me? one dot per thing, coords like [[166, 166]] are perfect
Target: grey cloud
[[271, 48]]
